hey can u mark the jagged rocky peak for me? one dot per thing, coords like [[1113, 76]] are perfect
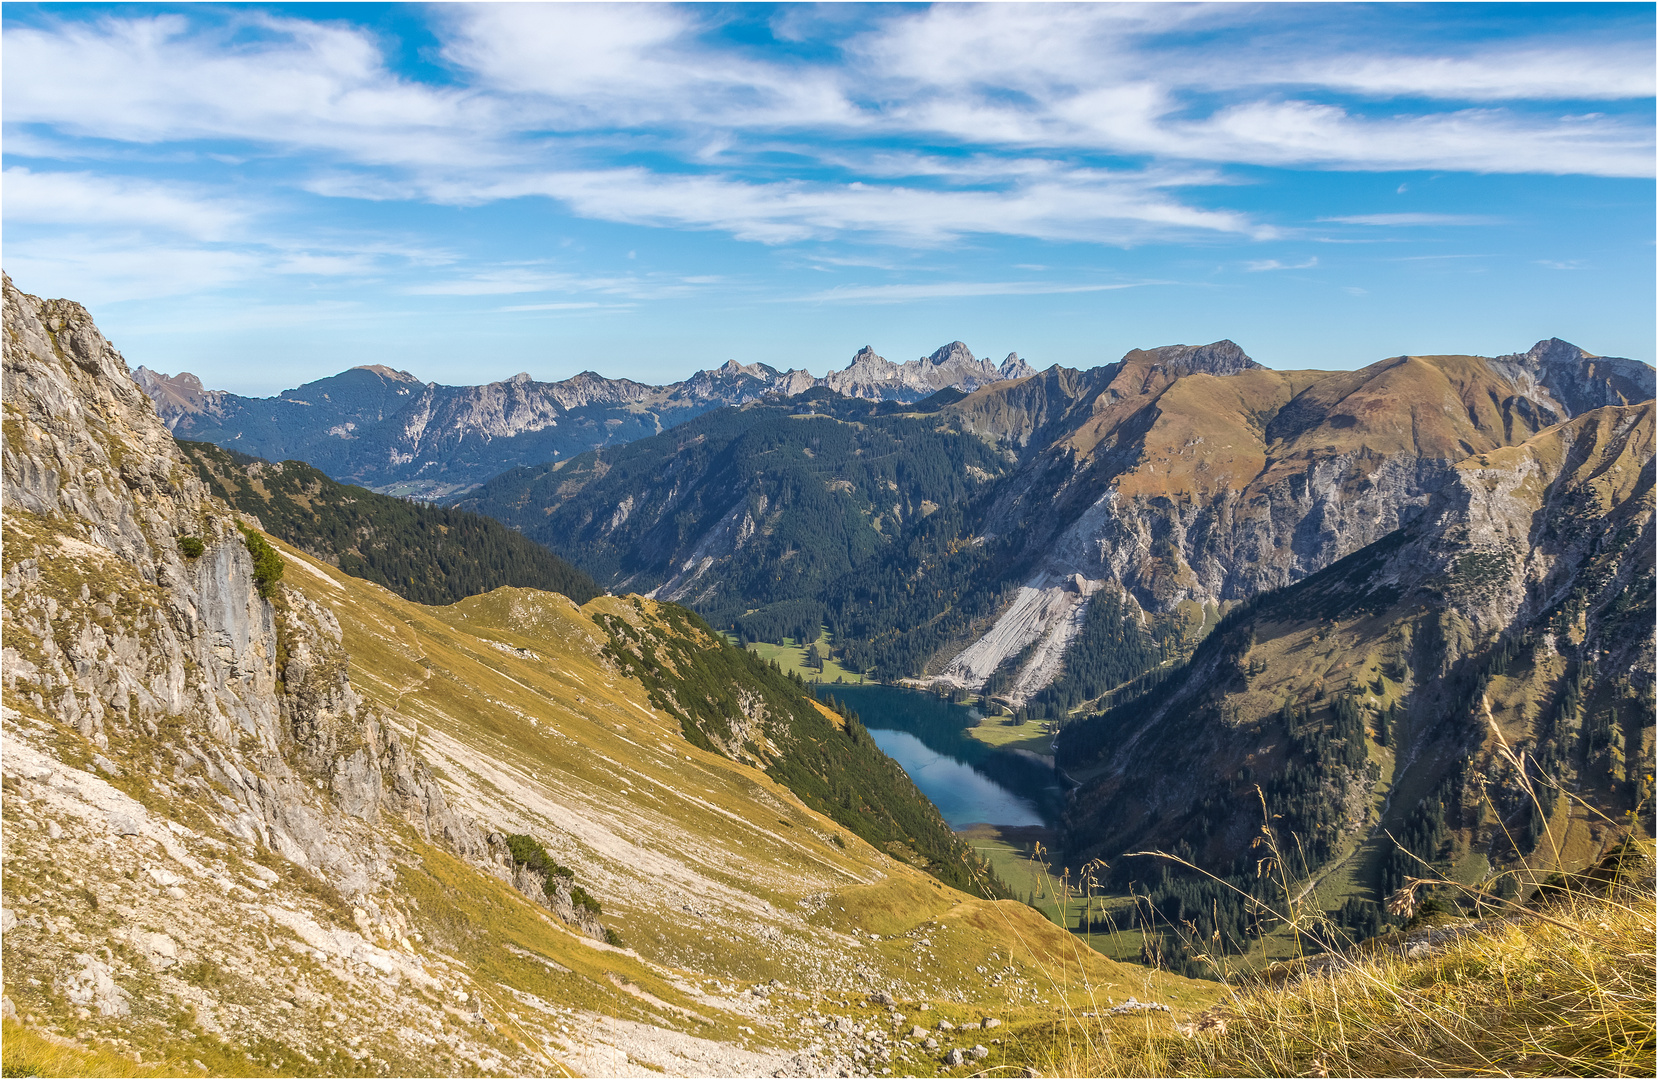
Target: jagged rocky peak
[[1015, 368], [955, 353], [1554, 351], [1223, 357], [1579, 381], [871, 375], [731, 369], [171, 393]]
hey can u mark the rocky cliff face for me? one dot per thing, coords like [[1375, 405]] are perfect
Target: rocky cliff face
[[153, 679], [98, 497]]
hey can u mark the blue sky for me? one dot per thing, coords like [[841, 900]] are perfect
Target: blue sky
[[265, 194]]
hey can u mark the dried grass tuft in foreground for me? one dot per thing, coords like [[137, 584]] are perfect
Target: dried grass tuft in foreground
[[24, 1052], [1571, 994]]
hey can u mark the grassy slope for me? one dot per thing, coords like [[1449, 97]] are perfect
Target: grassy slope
[[715, 875], [1567, 991], [730, 700], [791, 657], [535, 731]]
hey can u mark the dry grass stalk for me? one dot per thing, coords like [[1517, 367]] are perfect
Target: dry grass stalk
[[1571, 996]]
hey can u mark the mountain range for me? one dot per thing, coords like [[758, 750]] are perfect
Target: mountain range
[[387, 430], [1471, 691], [1031, 534]]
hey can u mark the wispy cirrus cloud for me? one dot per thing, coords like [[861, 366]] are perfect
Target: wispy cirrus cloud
[[1081, 204], [1258, 266], [1614, 71], [533, 156], [88, 199], [939, 290], [517, 280], [541, 83], [1409, 219]]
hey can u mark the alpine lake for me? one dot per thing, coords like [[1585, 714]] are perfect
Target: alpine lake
[[992, 780]]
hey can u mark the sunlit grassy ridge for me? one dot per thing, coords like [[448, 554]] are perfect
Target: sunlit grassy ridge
[[1563, 992], [709, 869]]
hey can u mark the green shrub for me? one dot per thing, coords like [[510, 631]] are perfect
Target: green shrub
[[611, 937], [581, 898], [267, 564], [528, 853], [191, 547]]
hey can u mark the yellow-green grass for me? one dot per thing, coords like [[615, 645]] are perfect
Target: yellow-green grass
[[791, 657], [1040, 881], [1003, 734], [1567, 991], [515, 677], [27, 1052]]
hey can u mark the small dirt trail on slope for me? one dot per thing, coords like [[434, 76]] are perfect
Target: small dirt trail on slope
[[425, 663]]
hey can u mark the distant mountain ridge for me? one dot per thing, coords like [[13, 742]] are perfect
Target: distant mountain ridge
[[388, 431]]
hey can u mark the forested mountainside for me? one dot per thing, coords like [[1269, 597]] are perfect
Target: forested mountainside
[[1050, 538], [1476, 685], [428, 554], [272, 818], [767, 506], [388, 431]]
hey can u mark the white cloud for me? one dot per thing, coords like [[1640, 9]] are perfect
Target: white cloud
[[514, 280], [300, 84], [1474, 140], [601, 65], [1095, 77], [85, 199], [1005, 108], [104, 268], [1415, 219], [1256, 266], [896, 294], [1620, 71], [574, 305], [1091, 205]]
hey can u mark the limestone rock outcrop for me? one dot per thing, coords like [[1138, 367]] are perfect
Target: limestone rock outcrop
[[171, 656]]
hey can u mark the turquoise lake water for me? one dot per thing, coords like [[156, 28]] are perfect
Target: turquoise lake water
[[968, 781]]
